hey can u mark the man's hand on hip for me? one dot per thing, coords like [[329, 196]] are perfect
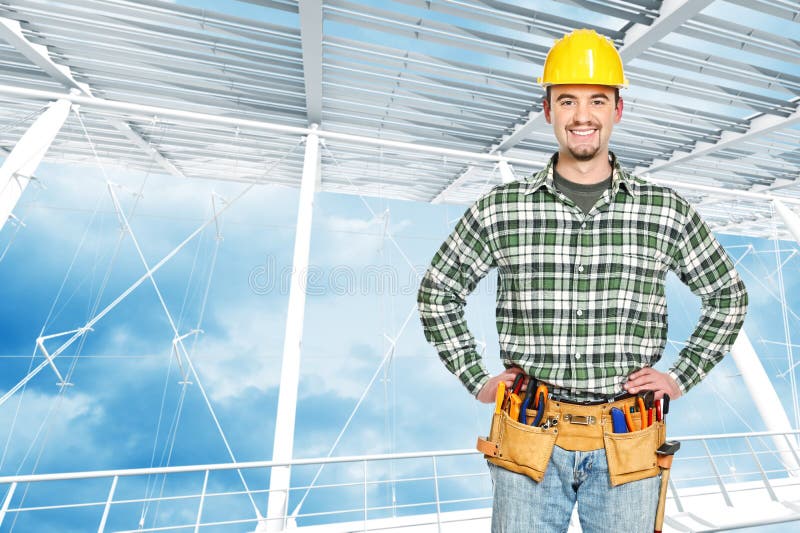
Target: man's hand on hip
[[651, 379], [488, 393]]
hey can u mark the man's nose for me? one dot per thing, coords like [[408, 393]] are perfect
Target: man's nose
[[581, 112]]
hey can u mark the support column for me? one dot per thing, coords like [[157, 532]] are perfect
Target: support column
[[290, 367], [506, 174], [790, 218], [765, 399], [21, 163]]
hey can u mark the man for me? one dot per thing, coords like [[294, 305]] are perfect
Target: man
[[582, 249]]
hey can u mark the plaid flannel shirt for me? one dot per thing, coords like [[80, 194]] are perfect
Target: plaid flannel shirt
[[580, 296]]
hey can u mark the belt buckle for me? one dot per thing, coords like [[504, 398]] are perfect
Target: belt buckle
[[579, 419]]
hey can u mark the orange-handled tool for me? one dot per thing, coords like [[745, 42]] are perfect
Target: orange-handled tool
[[500, 398], [642, 413], [514, 403], [514, 398], [629, 419]]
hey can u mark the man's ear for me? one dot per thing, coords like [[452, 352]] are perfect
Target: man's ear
[[546, 109], [618, 111]]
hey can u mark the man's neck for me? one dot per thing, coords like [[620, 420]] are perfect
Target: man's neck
[[584, 172]]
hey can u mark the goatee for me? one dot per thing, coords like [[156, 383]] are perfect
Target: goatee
[[584, 155]]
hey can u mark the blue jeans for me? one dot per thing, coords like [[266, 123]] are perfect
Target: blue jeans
[[523, 506]]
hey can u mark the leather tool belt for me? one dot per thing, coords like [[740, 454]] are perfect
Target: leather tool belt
[[527, 449]]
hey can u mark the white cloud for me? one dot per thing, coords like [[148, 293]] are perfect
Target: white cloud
[[247, 356], [355, 241], [243, 356], [66, 424]]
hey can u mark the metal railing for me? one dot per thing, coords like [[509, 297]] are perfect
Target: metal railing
[[365, 492], [360, 488]]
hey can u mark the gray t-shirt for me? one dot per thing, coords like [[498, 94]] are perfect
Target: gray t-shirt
[[584, 196]]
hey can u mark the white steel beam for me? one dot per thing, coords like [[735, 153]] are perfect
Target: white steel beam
[[7, 501], [673, 13], [764, 398], [11, 32], [311, 40], [100, 104], [637, 39], [125, 128], [21, 163], [506, 174], [761, 125], [282, 449], [725, 193], [790, 218], [455, 184]]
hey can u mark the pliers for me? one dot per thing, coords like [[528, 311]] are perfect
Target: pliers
[[539, 403], [529, 396], [514, 399], [642, 412], [645, 401], [629, 419], [538, 400], [640, 403]]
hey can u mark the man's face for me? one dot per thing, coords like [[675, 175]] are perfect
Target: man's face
[[582, 117]]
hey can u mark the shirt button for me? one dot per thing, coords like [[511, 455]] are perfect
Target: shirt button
[[579, 312], [577, 356], [580, 268], [583, 225]]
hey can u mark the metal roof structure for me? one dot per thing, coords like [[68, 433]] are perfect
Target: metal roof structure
[[712, 102]]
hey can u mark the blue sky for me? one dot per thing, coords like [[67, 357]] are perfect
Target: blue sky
[[126, 390]]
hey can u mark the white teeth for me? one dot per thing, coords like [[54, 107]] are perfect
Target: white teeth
[[583, 133]]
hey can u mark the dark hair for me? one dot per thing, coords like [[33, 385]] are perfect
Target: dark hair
[[616, 95]]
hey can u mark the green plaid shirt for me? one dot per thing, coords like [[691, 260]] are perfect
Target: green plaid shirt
[[580, 296]]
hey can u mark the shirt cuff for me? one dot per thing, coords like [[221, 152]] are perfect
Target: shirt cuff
[[474, 378], [679, 380]]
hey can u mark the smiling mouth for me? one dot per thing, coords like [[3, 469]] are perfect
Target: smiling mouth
[[583, 133]]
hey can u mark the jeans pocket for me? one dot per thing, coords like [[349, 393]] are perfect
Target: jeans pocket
[[632, 456]]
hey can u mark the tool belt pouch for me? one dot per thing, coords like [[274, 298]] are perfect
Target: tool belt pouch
[[632, 456], [518, 447]]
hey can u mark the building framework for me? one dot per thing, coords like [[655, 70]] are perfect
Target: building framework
[[422, 100]]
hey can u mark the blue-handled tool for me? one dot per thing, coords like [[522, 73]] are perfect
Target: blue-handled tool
[[538, 403], [618, 423], [514, 398], [529, 400], [533, 400], [523, 414]]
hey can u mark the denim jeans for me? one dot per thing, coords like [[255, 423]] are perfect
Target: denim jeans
[[522, 505]]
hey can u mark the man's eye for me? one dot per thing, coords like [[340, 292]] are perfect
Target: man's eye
[[566, 102], [598, 102]]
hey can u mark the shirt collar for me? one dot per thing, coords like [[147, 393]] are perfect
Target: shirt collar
[[619, 177]]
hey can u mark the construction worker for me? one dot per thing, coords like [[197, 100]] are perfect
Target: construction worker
[[581, 249]]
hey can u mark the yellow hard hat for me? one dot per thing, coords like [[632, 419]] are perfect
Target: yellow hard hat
[[583, 57]]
